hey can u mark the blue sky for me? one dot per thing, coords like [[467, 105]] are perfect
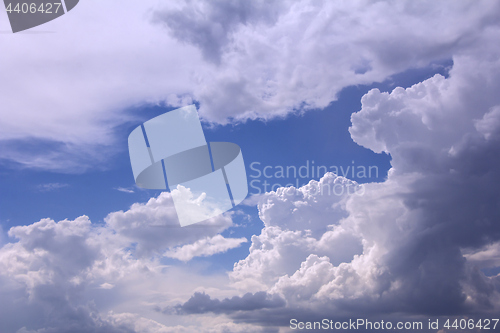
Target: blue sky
[[409, 88]]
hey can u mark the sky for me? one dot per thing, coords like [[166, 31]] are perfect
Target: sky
[[388, 111]]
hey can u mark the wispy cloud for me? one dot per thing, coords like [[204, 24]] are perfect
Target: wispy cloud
[[205, 247], [51, 187], [125, 189]]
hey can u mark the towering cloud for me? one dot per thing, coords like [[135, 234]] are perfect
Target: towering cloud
[[425, 241]]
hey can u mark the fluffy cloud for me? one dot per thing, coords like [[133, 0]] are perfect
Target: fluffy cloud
[[239, 60], [66, 275], [489, 256], [46, 271], [299, 222], [154, 225], [276, 57]]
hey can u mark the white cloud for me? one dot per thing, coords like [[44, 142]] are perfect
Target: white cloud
[[489, 124], [298, 222], [243, 60], [195, 206], [313, 273], [125, 190], [273, 253], [311, 207], [204, 247], [106, 285], [68, 274], [154, 225], [278, 56]]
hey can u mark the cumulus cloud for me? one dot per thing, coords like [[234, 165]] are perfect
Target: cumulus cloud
[[279, 57], [154, 225], [60, 276], [240, 60], [46, 270], [299, 222], [443, 176], [312, 207]]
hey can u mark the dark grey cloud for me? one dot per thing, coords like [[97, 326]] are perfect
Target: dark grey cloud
[[455, 202], [203, 303], [209, 24], [457, 210]]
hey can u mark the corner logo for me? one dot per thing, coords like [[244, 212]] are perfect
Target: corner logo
[[170, 152], [26, 14]]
